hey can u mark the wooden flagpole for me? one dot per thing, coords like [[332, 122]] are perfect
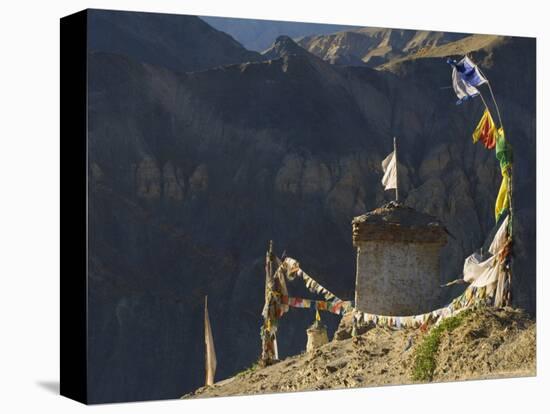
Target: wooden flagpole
[[484, 103], [490, 91], [206, 340], [268, 344], [494, 100], [396, 175], [508, 294]]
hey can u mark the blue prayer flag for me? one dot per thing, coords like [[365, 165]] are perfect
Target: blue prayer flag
[[466, 76]]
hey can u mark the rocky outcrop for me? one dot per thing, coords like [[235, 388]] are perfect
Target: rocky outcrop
[[283, 46], [373, 46]]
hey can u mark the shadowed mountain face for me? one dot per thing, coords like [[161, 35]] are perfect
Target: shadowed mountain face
[[191, 174], [177, 42]]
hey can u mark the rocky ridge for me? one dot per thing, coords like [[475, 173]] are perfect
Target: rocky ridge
[[373, 46], [490, 343], [180, 43], [258, 35]]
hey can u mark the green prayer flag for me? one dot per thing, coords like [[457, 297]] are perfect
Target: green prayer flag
[[503, 150]]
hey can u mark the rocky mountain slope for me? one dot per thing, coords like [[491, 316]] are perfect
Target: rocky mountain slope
[[284, 46], [488, 343], [258, 35], [472, 44], [192, 173], [373, 46]]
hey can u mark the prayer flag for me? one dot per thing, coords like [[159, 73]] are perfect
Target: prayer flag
[[501, 237], [466, 76], [486, 131], [462, 89], [469, 72], [503, 150], [503, 198], [504, 155], [389, 166], [210, 356]]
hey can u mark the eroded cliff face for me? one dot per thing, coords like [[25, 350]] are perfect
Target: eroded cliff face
[[191, 174]]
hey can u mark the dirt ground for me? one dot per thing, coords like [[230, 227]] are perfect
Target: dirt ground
[[489, 343]]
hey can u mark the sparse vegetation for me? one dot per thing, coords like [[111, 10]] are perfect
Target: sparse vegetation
[[248, 370], [426, 352]]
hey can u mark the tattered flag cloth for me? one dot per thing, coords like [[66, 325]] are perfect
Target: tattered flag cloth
[[486, 131], [337, 306], [501, 237], [475, 267], [486, 272], [389, 166], [292, 267], [453, 282], [278, 301], [210, 359], [466, 76], [470, 296], [293, 270], [299, 302]]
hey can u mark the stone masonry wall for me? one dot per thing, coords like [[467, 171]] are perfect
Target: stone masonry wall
[[397, 278]]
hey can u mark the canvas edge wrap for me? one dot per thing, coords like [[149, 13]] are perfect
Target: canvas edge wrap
[[73, 207]]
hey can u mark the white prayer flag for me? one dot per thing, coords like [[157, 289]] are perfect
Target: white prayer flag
[[500, 238], [484, 273], [466, 76], [210, 362], [462, 88], [389, 166]]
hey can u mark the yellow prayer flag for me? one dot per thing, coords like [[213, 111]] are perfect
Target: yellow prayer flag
[[503, 198]]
